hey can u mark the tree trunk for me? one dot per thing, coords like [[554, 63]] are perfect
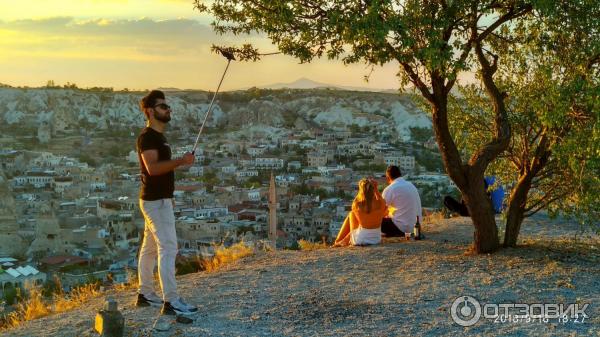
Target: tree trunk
[[469, 179], [517, 204], [516, 210], [482, 215]]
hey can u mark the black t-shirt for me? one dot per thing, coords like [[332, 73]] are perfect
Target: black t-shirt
[[155, 187]]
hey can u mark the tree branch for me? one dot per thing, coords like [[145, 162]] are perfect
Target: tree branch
[[416, 80], [475, 37], [501, 137], [542, 204], [511, 14]]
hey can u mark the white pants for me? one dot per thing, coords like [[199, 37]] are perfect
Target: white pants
[[160, 243]]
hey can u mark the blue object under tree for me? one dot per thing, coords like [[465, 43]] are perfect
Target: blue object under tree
[[496, 195]]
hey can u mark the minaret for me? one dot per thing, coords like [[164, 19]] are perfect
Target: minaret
[[272, 213], [11, 243]]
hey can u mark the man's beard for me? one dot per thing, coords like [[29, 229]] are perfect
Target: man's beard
[[163, 118]]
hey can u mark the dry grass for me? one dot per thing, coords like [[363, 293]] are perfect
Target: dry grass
[[565, 284], [224, 255], [34, 305], [583, 247], [433, 217], [132, 282], [31, 308], [393, 239], [63, 302], [307, 245], [513, 263], [550, 268]]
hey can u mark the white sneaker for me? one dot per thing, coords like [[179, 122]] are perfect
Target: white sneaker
[[178, 307]]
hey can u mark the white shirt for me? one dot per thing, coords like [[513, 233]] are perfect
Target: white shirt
[[404, 204], [365, 236]]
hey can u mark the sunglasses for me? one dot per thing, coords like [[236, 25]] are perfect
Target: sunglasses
[[162, 106]]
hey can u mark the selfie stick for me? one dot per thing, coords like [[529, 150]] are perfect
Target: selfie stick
[[229, 57]]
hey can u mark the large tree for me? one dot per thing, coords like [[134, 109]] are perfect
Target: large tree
[[550, 71], [433, 42]]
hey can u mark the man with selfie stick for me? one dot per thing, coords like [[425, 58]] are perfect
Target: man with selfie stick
[[156, 203]]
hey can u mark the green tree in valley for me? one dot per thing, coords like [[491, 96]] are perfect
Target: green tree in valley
[[420, 135], [210, 179]]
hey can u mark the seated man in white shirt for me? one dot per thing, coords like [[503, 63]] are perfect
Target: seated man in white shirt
[[404, 204]]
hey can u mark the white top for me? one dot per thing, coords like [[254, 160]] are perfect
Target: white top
[[365, 236], [404, 204]]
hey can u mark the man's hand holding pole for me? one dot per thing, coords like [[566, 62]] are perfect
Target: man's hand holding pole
[[187, 159]]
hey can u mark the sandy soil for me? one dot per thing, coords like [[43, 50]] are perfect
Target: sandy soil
[[395, 289]]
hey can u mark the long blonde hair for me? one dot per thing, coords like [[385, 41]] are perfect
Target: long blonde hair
[[365, 196]]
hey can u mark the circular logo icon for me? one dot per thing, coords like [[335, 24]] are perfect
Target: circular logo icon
[[465, 311]]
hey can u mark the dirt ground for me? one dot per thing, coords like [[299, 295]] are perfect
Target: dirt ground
[[395, 289]]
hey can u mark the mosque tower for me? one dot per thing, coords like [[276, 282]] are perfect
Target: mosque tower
[[11, 243], [272, 213]]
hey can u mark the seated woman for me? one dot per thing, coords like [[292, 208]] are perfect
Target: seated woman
[[363, 225]]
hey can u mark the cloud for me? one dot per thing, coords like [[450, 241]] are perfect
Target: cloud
[[129, 27], [169, 38], [124, 9]]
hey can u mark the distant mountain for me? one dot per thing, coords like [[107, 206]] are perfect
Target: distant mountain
[[306, 83], [302, 83], [171, 89]]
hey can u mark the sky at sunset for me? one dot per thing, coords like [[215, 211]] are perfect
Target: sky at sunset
[[144, 44]]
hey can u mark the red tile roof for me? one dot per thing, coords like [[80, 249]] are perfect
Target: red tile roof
[[62, 259]]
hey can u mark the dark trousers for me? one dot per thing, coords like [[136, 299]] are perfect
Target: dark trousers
[[389, 228], [455, 206]]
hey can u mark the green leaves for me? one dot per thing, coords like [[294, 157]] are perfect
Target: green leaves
[[549, 70], [375, 32]]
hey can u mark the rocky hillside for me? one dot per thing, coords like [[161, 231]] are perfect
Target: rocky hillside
[[395, 289], [74, 109]]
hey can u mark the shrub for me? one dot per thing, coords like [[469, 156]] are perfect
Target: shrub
[[33, 305], [307, 245], [10, 294], [188, 265], [224, 255]]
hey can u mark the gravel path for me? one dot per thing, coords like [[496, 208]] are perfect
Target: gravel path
[[395, 289]]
